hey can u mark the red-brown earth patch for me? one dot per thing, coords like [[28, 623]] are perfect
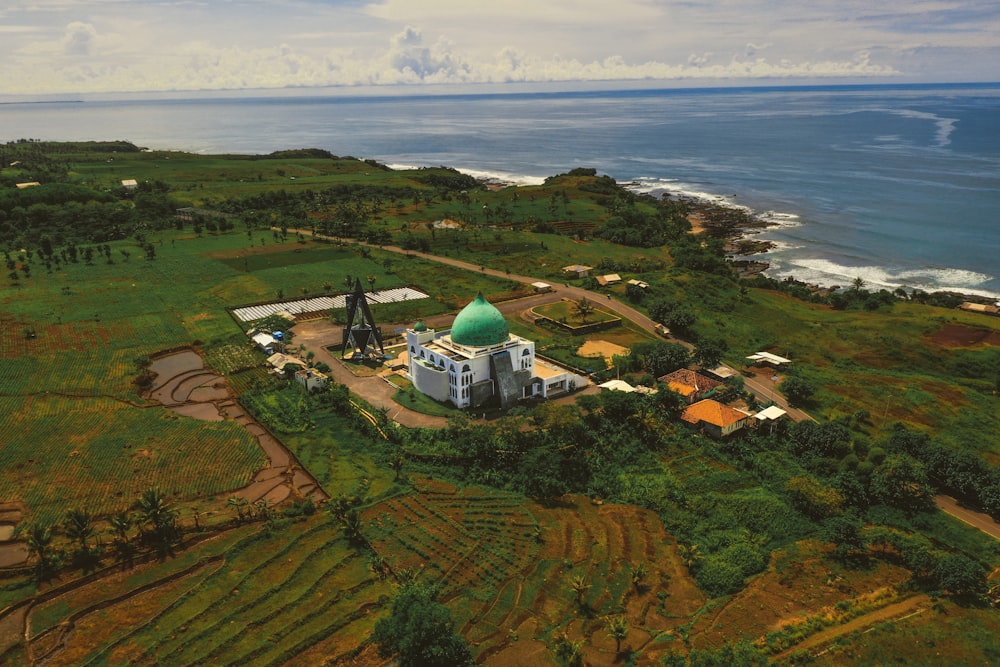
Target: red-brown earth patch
[[960, 335], [799, 582]]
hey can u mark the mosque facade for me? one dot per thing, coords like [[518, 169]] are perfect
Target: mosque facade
[[479, 360]]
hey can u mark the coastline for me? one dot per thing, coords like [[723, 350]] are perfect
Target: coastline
[[737, 226]]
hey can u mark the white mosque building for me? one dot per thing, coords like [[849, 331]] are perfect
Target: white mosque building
[[479, 359]]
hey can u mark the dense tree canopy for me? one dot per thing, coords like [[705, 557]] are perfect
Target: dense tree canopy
[[420, 631]]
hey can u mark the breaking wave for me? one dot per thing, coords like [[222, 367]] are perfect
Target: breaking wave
[[829, 273]]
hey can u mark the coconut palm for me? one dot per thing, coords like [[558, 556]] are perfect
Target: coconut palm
[[157, 518], [580, 588], [262, 509], [39, 542], [638, 576], [396, 462], [79, 527], [617, 630], [690, 555], [568, 652], [352, 526], [120, 523], [238, 504]]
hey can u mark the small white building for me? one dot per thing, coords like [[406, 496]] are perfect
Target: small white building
[[478, 359], [541, 287], [129, 183], [770, 414], [310, 378], [264, 340], [617, 385]]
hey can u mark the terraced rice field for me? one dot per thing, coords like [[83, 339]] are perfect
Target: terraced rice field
[[261, 599], [505, 566]]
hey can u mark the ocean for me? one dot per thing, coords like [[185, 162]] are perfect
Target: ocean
[[898, 185]]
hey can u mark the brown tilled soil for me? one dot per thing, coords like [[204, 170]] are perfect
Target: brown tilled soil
[[959, 335]]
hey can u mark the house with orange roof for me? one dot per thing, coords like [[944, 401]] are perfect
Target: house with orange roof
[[692, 385], [714, 418]]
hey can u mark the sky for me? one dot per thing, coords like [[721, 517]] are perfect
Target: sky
[[104, 46]]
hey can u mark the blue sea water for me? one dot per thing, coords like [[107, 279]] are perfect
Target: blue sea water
[[897, 185]]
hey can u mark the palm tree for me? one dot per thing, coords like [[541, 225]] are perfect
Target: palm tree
[[396, 461], [584, 308], [617, 630], [238, 504], [377, 565], [352, 526], [690, 555], [159, 516], [262, 508], [39, 543], [568, 652], [79, 527], [120, 523], [638, 576], [371, 281], [580, 588]]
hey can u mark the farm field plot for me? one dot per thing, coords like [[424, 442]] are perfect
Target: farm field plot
[[504, 564], [54, 443], [255, 596]]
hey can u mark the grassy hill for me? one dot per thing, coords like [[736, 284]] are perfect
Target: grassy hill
[[729, 537]]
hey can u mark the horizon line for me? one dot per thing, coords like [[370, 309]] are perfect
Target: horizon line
[[409, 91]]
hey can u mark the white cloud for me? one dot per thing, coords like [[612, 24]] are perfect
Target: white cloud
[[79, 39], [109, 45]]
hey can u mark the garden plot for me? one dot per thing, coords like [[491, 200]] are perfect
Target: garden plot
[[320, 303]]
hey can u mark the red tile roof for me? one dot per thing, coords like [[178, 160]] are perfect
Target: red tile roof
[[712, 412], [686, 382]]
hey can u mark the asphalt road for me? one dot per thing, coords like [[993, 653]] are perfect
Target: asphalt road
[[983, 522]]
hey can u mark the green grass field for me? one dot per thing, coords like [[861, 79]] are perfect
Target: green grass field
[[76, 433]]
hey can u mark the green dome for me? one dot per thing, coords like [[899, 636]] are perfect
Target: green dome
[[479, 324], [420, 326]]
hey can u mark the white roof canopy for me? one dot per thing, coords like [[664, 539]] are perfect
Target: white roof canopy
[[770, 358], [771, 413]]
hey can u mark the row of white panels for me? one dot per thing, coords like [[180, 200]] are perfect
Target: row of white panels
[[314, 304]]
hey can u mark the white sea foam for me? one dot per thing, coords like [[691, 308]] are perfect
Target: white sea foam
[[503, 177], [945, 126], [779, 246], [658, 186], [931, 279], [481, 174]]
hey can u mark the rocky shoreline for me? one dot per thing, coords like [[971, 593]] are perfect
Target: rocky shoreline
[[735, 227]]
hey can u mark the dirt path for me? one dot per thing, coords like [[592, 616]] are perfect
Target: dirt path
[[893, 612]]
